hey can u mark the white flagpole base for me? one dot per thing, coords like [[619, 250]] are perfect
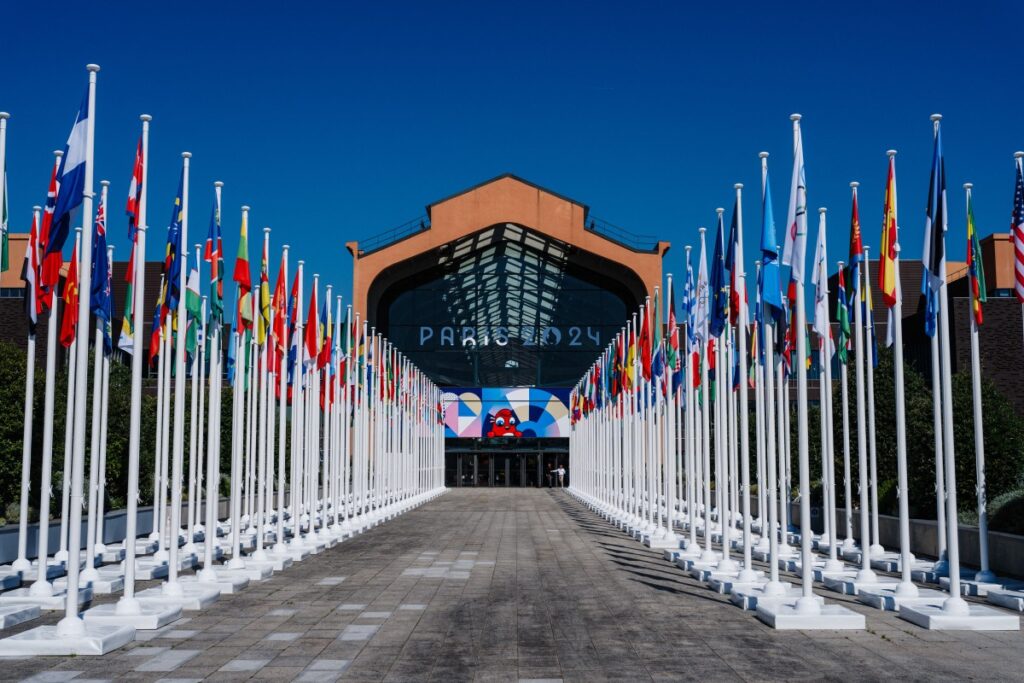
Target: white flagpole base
[[277, 561], [12, 615], [44, 640], [253, 570], [194, 596], [662, 543], [55, 602], [1010, 599], [218, 551], [889, 599], [981, 588], [228, 581], [725, 582], [149, 568], [107, 582], [975, 618], [848, 586], [673, 554], [821, 573], [747, 597], [789, 617], [150, 616], [9, 580]]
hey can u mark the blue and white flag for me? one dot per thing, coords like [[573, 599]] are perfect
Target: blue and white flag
[[71, 175], [794, 250], [933, 254], [770, 287]]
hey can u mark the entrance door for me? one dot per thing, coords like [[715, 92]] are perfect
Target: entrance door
[[484, 463], [531, 470], [501, 467]]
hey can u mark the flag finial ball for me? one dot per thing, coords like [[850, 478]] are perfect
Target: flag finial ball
[[284, 247], [968, 186], [687, 248], [4, 115], [855, 184], [702, 230], [218, 183], [266, 230], [245, 207], [822, 209], [762, 155], [719, 210], [795, 117], [1018, 155], [58, 153], [145, 117], [37, 208], [302, 262], [92, 67], [840, 263], [186, 155], [890, 153], [936, 117], [737, 186], [105, 183]]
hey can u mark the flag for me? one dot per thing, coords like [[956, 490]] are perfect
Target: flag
[[313, 340], [194, 306], [126, 342], [730, 265], [934, 250], [1017, 230], [644, 341], [794, 250], [890, 237], [673, 351], [263, 324], [71, 176], [280, 306], [135, 194], [819, 278], [69, 323], [173, 253], [769, 284], [631, 360], [293, 330], [657, 347], [99, 298], [232, 361], [856, 251], [975, 269], [717, 288], [29, 273], [214, 255], [49, 268], [700, 318], [326, 334], [241, 276], [843, 317]]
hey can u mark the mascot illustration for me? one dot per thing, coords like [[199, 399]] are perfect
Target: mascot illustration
[[504, 424]]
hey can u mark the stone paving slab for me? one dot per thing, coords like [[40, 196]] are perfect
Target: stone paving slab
[[512, 585]]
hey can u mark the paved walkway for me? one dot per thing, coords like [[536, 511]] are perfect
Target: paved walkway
[[505, 585]]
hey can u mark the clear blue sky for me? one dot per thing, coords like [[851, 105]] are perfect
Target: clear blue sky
[[338, 121]]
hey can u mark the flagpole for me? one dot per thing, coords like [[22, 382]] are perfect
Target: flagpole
[[69, 408], [297, 438], [203, 425], [985, 574], [72, 625], [190, 534], [869, 330], [21, 564], [42, 587], [100, 547], [1018, 159], [279, 545], [747, 573], [159, 482], [260, 554]]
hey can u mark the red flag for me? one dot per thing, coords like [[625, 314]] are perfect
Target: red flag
[[645, 341], [312, 331], [50, 272], [69, 323]]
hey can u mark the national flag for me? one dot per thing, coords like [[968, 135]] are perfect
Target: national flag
[[313, 333], [843, 317], [263, 324], [135, 193], [770, 288], [126, 342], [975, 269], [730, 265], [631, 360], [701, 314], [673, 350], [717, 291], [819, 278], [890, 238], [69, 322], [658, 347], [214, 255], [1017, 230], [173, 253], [99, 298], [644, 340], [856, 251], [232, 361], [50, 266], [794, 250], [242, 277], [934, 249], [71, 176], [29, 273], [280, 307], [326, 335], [5, 245]]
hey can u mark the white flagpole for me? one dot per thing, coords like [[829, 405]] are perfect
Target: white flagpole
[[72, 625], [159, 483], [42, 587], [279, 546], [190, 533], [297, 426], [172, 587], [128, 604], [99, 548], [848, 542], [747, 573], [22, 564], [1018, 159], [237, 390], [985, 574], [203, 426], [69, 404], [869, 316], [262, 480]]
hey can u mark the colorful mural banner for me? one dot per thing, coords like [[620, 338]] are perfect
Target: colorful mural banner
[[506, 412]]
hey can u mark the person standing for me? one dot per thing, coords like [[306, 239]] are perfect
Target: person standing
[[561, 476]]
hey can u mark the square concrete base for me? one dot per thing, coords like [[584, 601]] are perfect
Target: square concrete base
[[886, 598], [784, 616], [766, 556], [981, 588], [194, 596], [273, 561], [1010, 599], [55, 602], [9, 580], [112, 554], [726, 584], [110, 581], [979, 618], [151, 616], [228, 581], [748, 597], [253, 570], [11, 615], [44, 640], [850, 586], [147, 569], [661, 543]]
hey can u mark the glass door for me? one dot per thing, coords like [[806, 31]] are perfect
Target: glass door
[[501, 468], [484, 463]]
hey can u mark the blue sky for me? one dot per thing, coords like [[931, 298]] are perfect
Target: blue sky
[[338, 121]]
